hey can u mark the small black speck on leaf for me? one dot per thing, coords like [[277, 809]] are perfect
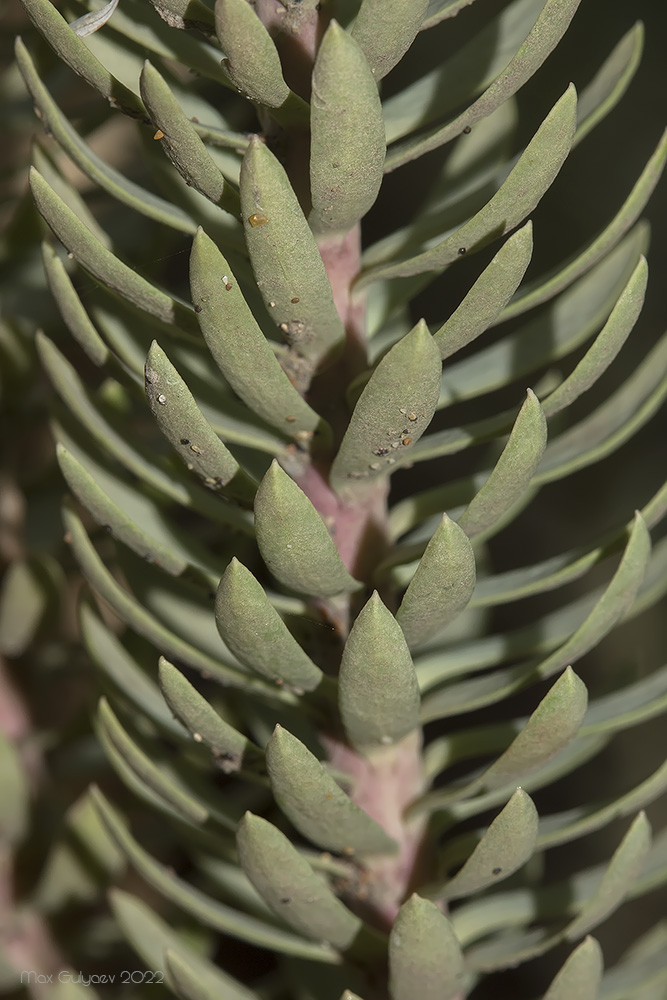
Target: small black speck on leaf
[[198, 308], [185, 440], [467, 130], [286, 899], [497, 871], [462, 250]]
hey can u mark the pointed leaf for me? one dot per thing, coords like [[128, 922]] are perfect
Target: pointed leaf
[[182, 144], [377, 685], [555, 281], [442, 585], [124, 673], [108, 514], [552, 726], [425, 958], [71, 309], [543, 37], [315, 803], [231, 750], [204, 908], [505, 847], [146, 772], [239, 348], [606, 345], [296, 893], [610, 82], [579, 978], [348, 995], [347, 143], [288, 267], [101, 263], [489, 295], [513, 471], [294, 540], [75, 52], [531, 177], [91, 22], [252, 60], [257, 635], [385, 31], [189, 432], [392, 412], [623, 871]]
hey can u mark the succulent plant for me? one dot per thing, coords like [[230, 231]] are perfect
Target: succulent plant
[[302, 678]]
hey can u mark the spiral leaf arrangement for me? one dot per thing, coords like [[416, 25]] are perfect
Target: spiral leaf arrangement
[[231, 441]]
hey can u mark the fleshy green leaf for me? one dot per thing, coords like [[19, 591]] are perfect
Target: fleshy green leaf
[[543, 37], [489, 295], [239, 348], [624, 869], [231, 750], [385, 31], [442, 585], [555, 281], [552, 726], [30, 594], [505, 847], [610, 82], [14, 794], [531, 177], [377, 685], [288, 267], [205, 909], [252, 61], [347, 143], [315, 804], [439, 10], [294, 540], [580, 976], [286, 881], [257, 635], [425, 958], [71, 308], [513, 471], [184, 14], [74, 51], [155, 941], [606, 345], [392, 412], [182, 144], [189, 432], [101, 263]]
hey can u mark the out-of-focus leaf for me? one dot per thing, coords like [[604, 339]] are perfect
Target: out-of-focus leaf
[[385, 31], [425, 959], [182, 144], [489, 295], [505, 847], [315, 804], [287, 264], [347, 143], [610, 82], [392, 412], [294, 540], [378, 692], [29, 595], [579, 978], [257, 635], [513, 471], [14, 794], [439, 10], [442, 584], [240, 349], [214, 914], [71, 307], [185, 14], [543, 37], [296, 893], [155, 941]]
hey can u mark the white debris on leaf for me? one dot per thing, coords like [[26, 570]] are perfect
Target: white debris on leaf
[[91, 22]]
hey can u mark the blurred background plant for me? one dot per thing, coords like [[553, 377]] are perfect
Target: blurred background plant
[[57, 858]]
